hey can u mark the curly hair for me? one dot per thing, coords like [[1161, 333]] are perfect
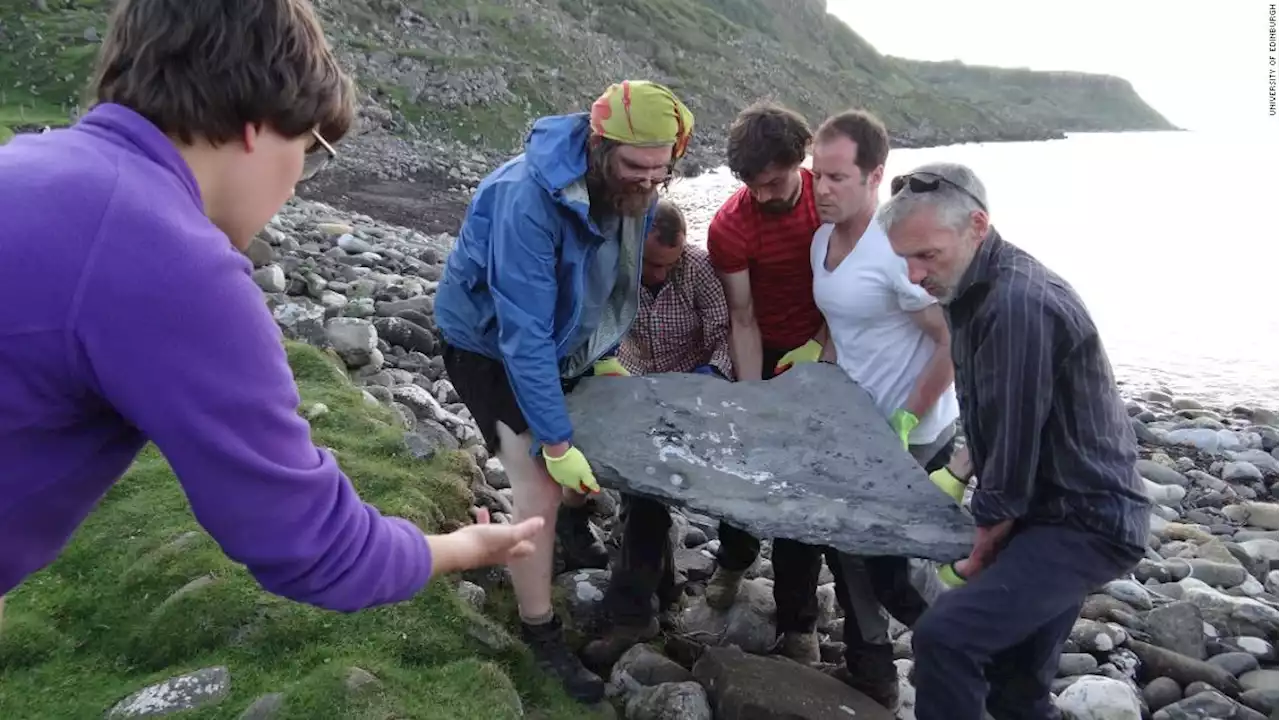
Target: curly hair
[[765, 134]]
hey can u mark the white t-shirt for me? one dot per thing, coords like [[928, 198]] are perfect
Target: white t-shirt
[[866, 300]]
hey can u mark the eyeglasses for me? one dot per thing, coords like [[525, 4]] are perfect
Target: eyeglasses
[[920, 184], [317, 157]]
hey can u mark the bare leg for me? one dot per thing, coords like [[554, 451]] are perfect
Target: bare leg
[[535, 494]]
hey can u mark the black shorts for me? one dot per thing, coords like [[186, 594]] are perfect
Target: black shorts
[[485, 389]]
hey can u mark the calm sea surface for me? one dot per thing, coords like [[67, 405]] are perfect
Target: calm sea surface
[[1170, 238]]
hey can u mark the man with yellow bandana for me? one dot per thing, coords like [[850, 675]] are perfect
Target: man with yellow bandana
[[539, 291]]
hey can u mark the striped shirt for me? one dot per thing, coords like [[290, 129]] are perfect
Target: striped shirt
[[1048, 434], [682, 324], [775, 251]]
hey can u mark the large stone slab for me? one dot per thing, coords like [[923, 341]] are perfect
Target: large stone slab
[[805, 456]]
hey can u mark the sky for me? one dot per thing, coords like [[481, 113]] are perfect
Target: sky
[[1202, 65]]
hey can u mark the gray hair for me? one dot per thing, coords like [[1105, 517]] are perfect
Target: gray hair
[[953, 205]]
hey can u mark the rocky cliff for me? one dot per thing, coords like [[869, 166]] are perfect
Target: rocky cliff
[[466, 73]]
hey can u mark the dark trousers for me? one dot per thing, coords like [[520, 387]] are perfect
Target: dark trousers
[[645, 566], [871, 662], [795, 565], [995, 642]]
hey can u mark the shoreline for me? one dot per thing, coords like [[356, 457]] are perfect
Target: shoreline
[[397, 206]]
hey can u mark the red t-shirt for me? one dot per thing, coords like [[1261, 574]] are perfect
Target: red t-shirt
[[775, 250]]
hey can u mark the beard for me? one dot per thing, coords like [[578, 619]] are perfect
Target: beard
[[632, 201], [619, 198], [776, 207]]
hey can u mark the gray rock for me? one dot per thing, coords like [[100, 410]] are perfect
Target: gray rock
[[1241, 471], [270, 279], [1206, 705], [1076, 664], [669, 701], [302, 319], [649, 667], [264, 708], [1266, 702], [1092, 636], [471, 594], [1129, 592], [1158, 662], [354, 340], [1179, 627], [748, 623], [805, 456], [747, 687], [428, 438], [201, 688], [1260, 680], [1161, 692], [1100, 698], [406, 334], [1160, 474], [1217, 574], [1236, 663]]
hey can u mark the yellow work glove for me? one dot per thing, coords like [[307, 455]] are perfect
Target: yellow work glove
[[608, 366], [571, 470], [903, 422], [806, 353], [949, 484], [949, 577]]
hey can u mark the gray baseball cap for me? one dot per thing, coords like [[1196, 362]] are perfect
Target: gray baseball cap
[[926, 178]]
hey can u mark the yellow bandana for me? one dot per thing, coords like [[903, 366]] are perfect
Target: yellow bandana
[[639, 112]]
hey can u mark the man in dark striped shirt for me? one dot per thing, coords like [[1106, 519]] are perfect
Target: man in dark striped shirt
[[1058, 503]]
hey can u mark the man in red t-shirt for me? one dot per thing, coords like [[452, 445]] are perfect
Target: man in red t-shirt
[[759, 244]]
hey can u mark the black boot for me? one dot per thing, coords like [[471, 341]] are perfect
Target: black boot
[[579, 546], [556, 659], [872, 673]]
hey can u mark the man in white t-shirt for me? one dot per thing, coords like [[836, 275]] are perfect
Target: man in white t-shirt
[[890, 336]]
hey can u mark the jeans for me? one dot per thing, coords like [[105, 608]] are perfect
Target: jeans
[[995, 642]]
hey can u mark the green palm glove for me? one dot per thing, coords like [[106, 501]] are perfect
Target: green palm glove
[[609, 366], [949, 484], [806, 353], [571, 470], [949, 576], [903, 422]]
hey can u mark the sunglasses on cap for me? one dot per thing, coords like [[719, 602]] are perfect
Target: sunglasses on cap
[[317, 157], [921, 184]]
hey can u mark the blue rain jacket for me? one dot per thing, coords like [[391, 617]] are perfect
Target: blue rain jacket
[[534, 282]]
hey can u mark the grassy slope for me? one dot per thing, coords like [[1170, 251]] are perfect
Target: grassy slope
[[95, 626], [719, 54]]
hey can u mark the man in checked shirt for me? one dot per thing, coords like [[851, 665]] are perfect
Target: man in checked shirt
[[1058, 505], [682, 326]]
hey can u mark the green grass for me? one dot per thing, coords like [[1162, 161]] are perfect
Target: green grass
[[46, 58], [101, 622]]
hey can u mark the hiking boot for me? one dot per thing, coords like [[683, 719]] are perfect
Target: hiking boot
[[555, 658], [722, 588], [601, 654], [801, 647], [579, 546], [883, 692]]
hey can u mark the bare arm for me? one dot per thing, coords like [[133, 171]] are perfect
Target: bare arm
[[713, 308], [986, 545], [939, 373], [744, 334], [828, 347]]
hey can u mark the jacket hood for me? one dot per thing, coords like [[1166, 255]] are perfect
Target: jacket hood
[[556, 148]]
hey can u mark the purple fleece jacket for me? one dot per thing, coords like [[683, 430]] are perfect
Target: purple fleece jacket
[[127, 316]]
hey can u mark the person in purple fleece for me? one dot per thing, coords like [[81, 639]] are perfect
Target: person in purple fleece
[[128, 313]]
